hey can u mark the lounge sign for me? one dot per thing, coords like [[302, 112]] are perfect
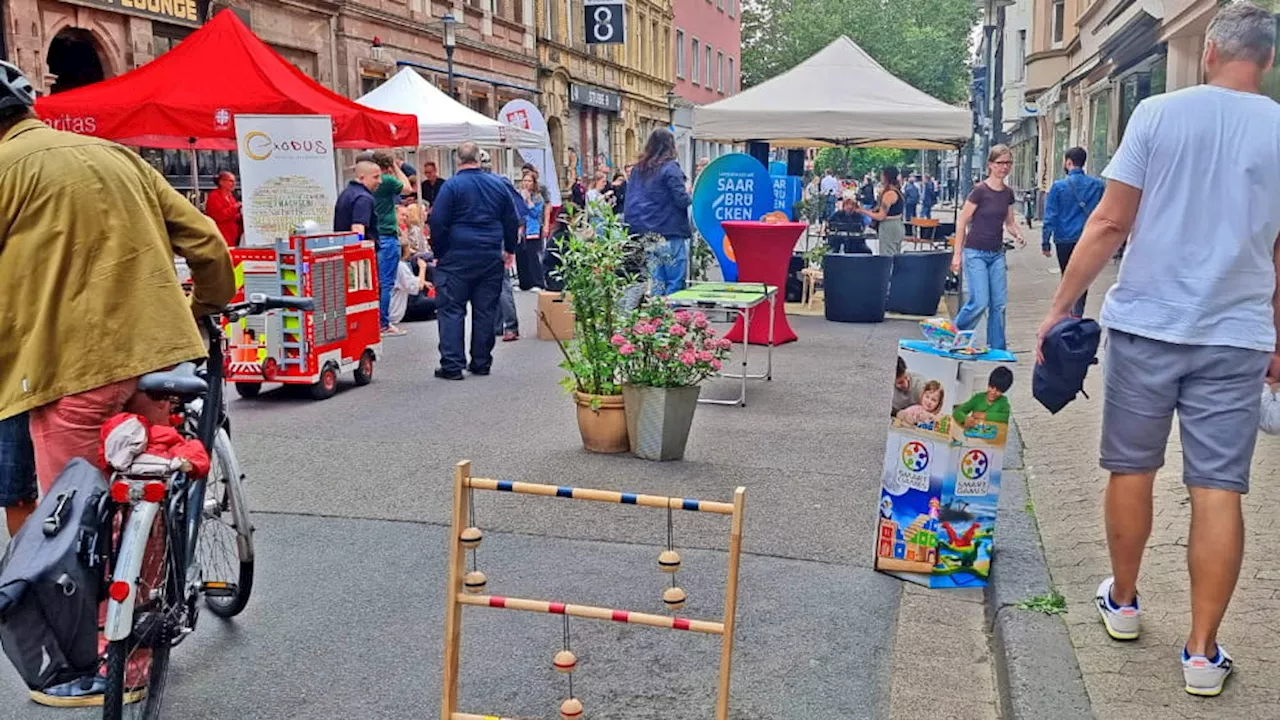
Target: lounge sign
[[178, 12]]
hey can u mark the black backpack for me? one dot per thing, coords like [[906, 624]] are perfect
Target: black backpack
[[51, 582]]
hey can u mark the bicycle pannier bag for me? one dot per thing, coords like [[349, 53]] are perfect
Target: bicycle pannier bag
[[50, 584]]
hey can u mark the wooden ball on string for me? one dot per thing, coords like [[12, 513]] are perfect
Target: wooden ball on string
[[471, 537], [669, 561], [474, 582], [571, 709], [673, 598], [565, 661]]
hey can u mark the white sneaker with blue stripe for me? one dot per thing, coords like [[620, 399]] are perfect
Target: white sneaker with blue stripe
[[1206, 676], [1123, 622]]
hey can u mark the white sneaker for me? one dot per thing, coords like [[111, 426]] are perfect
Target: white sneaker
[[1206, 676], [1122, 622]]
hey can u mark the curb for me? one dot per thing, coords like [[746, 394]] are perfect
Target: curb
[[1037, 674]]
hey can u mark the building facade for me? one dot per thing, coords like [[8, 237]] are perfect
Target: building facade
[[1091, 62], [1019, 128], [602, 101], [708, 67]]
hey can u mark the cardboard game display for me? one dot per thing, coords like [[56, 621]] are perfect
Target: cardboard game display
[[558, 313], [943, 460]]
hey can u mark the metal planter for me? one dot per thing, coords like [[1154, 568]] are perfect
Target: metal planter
[[658, 420]]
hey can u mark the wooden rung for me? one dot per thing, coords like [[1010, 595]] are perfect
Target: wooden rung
[[469, 716], [592, 612], [564, 491]]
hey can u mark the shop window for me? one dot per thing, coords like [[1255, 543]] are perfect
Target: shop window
[[1061, 141]]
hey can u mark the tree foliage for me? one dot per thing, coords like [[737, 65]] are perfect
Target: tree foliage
[[926, 43], [855, 162]]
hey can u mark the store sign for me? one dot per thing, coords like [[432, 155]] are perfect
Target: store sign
[[595, 97], [286, 174], [178, 12], [605, 22], [733, 187]]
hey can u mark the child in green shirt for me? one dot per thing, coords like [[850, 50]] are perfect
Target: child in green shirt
[[992, 404]]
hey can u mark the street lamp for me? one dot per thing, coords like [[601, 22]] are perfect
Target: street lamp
[[450, 42]]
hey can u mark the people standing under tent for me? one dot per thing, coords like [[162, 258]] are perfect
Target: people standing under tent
[[845, 229], [354, 209], [658, 202], [1071, 201], [980, 251], [429, 186], [867, 193], [928, 197], [386, 198], [474, 229], [888, 213], [224, 208], [911, 197], [1191, 328], [829, 188]]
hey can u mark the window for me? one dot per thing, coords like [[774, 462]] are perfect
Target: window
[[679, 53], [553, 22], [720, 72], [693, 70], [733, 10], [1101, 125], [1059, 19], [568, 22], [707, 81], [1020, 60], [729, 81], [720, 5]]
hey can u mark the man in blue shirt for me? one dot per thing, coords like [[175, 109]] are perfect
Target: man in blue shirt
[[355, 207], [928, 197], [473, 232], [1071, 201]]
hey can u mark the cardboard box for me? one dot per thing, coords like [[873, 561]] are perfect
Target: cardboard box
[[559, 314], [942, 468]]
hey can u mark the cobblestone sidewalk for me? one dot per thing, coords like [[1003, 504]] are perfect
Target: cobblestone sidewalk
[[1139, 680]]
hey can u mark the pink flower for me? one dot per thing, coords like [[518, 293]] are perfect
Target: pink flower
[[677, 330], [705, 356], [627, 349], [711, 332], [688, 358], [662, 354], [716, 365], [689, 346], [700, 320], [682, 316], [618, 340], [724, 343], [643, 329]]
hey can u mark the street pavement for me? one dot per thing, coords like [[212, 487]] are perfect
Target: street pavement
[[352, 497], [1142, 679]]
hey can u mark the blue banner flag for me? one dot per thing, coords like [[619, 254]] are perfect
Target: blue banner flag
[[732, 187]]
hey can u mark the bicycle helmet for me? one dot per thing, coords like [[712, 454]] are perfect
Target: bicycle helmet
[[15, 89]]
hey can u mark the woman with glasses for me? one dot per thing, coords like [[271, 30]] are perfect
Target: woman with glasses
[[979, 248]]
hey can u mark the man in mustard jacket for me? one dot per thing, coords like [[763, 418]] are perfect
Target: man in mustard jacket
[[89, 299]]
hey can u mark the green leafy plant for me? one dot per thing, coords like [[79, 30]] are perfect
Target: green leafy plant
[[1051, 603], [813, 256], [593, 268], [700, 257], [662, 347]]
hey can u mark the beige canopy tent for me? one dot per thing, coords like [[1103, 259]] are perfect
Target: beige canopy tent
[[840, 96]]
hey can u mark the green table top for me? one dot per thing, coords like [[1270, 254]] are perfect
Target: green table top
[[733, 295]]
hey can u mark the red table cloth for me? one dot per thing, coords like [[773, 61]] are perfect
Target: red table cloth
[[763, 253]]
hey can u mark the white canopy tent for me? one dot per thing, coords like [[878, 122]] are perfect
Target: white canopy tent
[[443, 121], [840, 96]]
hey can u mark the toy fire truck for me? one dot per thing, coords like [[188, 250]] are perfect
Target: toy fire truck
[[338, 271]]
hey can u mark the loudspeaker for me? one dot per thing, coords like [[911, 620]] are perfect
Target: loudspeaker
[[759, 151], [795, 162]]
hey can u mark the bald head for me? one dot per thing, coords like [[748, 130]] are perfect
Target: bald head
[[368, 174], [468, 154]]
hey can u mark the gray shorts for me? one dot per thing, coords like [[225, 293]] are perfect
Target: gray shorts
[[1216, 391]]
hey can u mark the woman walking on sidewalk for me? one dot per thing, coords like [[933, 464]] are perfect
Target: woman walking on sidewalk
[[979, 249]]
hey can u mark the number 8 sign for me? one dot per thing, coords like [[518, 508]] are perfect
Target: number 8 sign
[[605, 22]]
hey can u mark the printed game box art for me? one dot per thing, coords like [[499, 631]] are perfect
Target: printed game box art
[[948, 425]]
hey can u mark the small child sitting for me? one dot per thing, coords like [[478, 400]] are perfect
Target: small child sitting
[[991, 405], [928, 409]]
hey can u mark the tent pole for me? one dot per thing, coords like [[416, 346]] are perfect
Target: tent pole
[[195, 174]]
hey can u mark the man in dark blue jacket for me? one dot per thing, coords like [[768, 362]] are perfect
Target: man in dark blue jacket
[[473, 229], [657, 201], [1071, 201]]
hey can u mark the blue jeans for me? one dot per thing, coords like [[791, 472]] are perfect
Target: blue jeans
[[986, 291], [926, 210], [508, 321], [388, 261], [669, 265]]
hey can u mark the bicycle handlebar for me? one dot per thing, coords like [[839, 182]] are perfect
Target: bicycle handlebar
[[259, 303]]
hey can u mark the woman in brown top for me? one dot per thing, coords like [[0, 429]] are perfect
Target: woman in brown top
[[980, 248]]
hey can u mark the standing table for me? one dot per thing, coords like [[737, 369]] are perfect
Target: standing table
[[742, 300], [763, 252]]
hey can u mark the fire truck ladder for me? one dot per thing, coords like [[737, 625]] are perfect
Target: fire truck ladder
[[289, 271]]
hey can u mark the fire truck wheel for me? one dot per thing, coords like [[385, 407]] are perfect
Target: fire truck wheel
[[364, 371], [328, 384], [248, 390]]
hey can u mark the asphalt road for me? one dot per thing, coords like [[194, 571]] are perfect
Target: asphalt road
[[353, 498]]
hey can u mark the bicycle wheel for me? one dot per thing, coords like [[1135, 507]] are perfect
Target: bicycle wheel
[[225, 546], [138, 666]]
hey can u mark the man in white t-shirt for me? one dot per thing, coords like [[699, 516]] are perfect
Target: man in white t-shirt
[[829, 188], [1191, 320]]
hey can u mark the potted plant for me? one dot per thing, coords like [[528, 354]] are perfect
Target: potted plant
[[664, 355], [592, 269]]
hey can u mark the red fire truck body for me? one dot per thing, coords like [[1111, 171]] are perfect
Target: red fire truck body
[[338, 272]]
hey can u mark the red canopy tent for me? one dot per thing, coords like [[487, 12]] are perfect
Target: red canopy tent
[[187, 97]]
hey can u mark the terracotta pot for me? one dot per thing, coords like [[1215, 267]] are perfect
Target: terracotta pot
[[658, 420], [604, 428]]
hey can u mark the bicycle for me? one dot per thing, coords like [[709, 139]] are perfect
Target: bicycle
[[206, 554]]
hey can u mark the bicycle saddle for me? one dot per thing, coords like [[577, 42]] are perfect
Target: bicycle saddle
[[180, 381]]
